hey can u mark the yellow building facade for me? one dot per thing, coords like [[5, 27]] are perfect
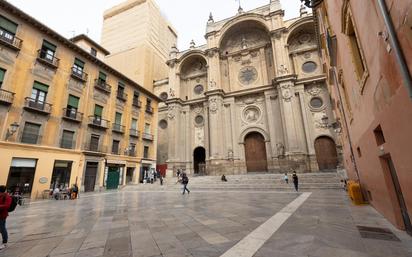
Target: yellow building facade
[[66, 117]]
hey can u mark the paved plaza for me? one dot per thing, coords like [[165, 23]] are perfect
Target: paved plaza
[[202, 224]]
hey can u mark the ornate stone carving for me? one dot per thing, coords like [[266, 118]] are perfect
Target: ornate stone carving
[[198, 109], [283, 70], [314, 90], [171, 93], [213, 105], [287, 95], [212, 84], [281, 149], [251, 114], [171, 113]]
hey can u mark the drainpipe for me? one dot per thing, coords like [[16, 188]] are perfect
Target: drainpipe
[[400, 58]]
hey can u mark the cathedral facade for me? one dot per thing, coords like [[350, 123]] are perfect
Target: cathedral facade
[[252, 99]]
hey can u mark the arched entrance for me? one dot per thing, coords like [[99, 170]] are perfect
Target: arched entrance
[[326, 153], [199, 159], [255, 152]]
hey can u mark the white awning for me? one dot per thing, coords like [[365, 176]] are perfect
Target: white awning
[[118, 162], [26, 163]]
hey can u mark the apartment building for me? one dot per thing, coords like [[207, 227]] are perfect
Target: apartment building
[[65, 116]]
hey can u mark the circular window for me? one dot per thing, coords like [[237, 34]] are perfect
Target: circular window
[[164, 96], [316, 102], [198, 89], [199, 120], [309, 67], [248, 75], [163, 124]]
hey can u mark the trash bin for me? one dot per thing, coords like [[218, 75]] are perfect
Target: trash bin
[[355, 193]]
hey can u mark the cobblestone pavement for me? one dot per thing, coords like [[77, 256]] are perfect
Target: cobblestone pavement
[[201, 224]]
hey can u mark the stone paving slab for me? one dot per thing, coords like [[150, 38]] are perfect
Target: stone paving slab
[[202, 224]]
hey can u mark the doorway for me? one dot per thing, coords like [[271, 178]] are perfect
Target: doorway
[[391, 177], [129, 175], [199, 159], [255, 152], [90, 176], [61, 174], [113, 177], [21, 176], [326, 154]]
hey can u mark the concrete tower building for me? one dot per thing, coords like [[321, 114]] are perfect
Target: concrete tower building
[[139, 39]]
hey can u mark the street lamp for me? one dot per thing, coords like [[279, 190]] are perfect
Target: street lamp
[[311, 3], [13, 129], [335, 125]]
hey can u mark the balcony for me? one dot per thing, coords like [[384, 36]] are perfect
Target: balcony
[[98, 122], [132, 153], [6, 97], [67, 144], [116, 151], [147, 136], [72, 115], [149, 109], [118, 128], [47, 59], [10, 40], [134, 133], [102, 85], [36, 105], [79, 74], [121, 96], [96, 148], [30, 138], [137, 103]]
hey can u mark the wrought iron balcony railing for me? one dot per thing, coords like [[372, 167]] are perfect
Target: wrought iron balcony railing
[[6, 97], [79, 74], [93, 147], [67, 144], [121, 95], [47, 58], [102, 85], [137, 103], [72, 115], [30, 138], [118, 128], [147, 136], [132, 153], [37, 105], [134, 133], [149, 109], [10, 40], [98, 122]]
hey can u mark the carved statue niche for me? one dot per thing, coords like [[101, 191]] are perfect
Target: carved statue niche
[[281, 149]]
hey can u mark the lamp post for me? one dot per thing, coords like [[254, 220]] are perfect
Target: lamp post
[[13, 129], [311, 3]]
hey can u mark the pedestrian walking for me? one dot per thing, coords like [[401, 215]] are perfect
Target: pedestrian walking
[[185, 181], [286, 178], [5, 202], [161, 179], [295, 181]]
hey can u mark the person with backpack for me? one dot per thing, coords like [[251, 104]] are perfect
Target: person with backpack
[[295, 181], [185, 181], [5, 204]]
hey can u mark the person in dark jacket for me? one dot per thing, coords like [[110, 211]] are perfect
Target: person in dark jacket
[[295, 181], [185, 181], [5, 202]]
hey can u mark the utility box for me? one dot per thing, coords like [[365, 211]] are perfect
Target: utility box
[[355, 193]]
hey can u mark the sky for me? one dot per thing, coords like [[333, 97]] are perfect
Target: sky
[[188, 17]]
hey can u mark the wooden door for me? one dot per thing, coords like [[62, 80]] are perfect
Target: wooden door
[[90, 177], [255, 153], [113, 176], [326, 154]]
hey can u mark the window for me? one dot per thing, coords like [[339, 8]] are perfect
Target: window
[[115, 147], [8, 29], [134, 124], [198, 89], [47, 51], [38, 96], [102, 78], [132, 149], [163, 96], [67, 139], [94, 143], [2, 74], [316, 102], [118, 118], [147, 128], [163, 124], [149, 106], [78, 67], [93, 52], [146, 152], [136, 99], [98, 112], [120, 90], [31, 133], [380, 138], [309, 67]]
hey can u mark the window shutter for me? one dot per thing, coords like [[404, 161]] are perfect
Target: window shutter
[[73, 101], [118, 118], [49, 45], [79, 62], [134, 124], [2, 73], [8, 25], [102, 76], [98, 110], [40, 86]]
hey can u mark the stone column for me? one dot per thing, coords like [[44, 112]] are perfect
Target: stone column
[[173, 131], [309, 146], [216, 126], [214, 79]]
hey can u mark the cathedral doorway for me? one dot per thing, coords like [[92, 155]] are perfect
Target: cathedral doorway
[[199, 160], [255, 152], [326, 153]]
